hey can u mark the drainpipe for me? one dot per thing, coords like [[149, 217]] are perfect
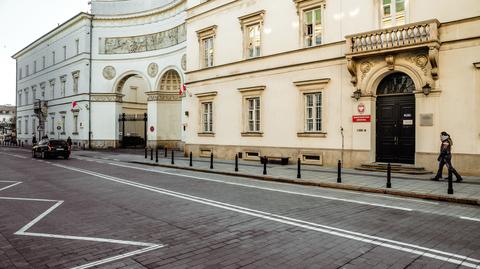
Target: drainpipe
[[90, 88]]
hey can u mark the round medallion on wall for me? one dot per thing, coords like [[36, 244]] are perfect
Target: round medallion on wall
[[109, 72], [184, 62], [152, 69]]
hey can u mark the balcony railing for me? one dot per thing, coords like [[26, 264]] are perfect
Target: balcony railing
[[405, 36]]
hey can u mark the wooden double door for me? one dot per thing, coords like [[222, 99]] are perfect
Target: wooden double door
[[395, 128]]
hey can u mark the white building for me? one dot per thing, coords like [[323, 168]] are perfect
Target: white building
[[7, 119], [125, 57], [361, 81]]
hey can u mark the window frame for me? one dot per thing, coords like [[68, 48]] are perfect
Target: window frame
[[304, 6], [393, 14], [246, 22], [203, 35], [306, 88], [203, 98], [249, 93]]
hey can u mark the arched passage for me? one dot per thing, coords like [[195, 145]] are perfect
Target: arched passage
[[395, 113], [133, 110]]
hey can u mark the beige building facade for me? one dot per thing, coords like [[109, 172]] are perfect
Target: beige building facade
[[361, 81]]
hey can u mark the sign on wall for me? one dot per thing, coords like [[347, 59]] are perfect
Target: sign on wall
[[361, 118]]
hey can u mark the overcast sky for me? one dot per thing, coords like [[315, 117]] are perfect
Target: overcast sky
[[21, 23]]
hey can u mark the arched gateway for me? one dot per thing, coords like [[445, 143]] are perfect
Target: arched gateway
[[395, 113]]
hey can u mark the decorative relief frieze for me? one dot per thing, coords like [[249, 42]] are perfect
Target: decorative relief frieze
[[152, 69], [109, 72], [143, 43], [161, 96], [365, 67], [106, 97], [420, 61]]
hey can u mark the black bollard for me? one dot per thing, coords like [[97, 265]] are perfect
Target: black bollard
[[450, 183], [83, 146], [236, 162], [389, 176], [22, 144], [265, 165], [211, 160], [145, 153], [151, 154], [165, 152], [156, 154], [191, 161], [339, 172], [298, 168], [173, 158]]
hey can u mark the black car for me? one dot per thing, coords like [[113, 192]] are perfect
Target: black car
[[46, 148]]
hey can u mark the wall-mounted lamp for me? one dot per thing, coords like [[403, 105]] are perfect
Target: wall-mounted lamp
[[426, 89], [357, 94]]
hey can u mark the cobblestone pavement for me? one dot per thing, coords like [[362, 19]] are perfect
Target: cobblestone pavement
[[100, 213]]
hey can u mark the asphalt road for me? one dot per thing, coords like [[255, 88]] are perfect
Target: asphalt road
[[90, 213]]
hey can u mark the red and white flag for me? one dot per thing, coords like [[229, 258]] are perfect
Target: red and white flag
[[183, 90], [74, 104]]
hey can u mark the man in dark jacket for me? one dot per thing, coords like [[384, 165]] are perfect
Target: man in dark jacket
[[445, 157]]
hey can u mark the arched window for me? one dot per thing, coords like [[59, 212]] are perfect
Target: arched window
[[396, 83], [170, 81]]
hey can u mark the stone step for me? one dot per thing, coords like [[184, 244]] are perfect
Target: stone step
[[396, 168]]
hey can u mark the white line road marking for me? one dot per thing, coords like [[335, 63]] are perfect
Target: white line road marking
[[266, 188], [23, 231], [117, 160], [379, 241], [469, 218]]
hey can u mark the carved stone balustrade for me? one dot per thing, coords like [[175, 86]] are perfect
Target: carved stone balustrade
[[390, 41]]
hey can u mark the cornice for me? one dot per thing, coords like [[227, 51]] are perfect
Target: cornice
[[148, 13]]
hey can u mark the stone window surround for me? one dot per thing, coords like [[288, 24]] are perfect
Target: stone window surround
[[247, 93], [380, 14], [305, 5], [206, 97], [311, 86], [202, 34], [75, 76], [250, 20], [63, 85], [63, 116], [75, 112], [52, 87]]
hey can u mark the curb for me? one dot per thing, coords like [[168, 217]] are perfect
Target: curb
[[426, 196]]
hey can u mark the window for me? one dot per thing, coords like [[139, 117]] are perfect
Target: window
[[43, 62], [313, 27], [206, 39], [63, 81], [75, 123], [253, 114], [393, 13], [53, 57], [75, 76], [33, 125], [42, 89], [63, 124], [34, 66], [311, 107], [64, 53], [252, 25], [20, 73], [170, 81], [19, 98], [26, 97], [52, 124], [34, 93], [52, 88], [26, 126], [313, 112], [207, 120], [28, 71], [77, 46], [19, 126]]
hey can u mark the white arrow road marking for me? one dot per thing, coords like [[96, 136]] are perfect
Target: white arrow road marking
[[23, 231], [379, 241]]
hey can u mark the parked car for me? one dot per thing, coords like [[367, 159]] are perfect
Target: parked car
[[46, 148]]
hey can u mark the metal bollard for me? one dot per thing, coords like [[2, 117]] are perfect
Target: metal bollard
[[83, 146], [173, 158], [211, 160], [298, 168], [22, 144], [236, 162], [165, 152], [389, 176], [265, 165], [156, 154], [151, 154], [146, 153], [339, 172], [450, 183], [191, 160]]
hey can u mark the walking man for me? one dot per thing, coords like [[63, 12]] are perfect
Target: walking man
[[445, 158]]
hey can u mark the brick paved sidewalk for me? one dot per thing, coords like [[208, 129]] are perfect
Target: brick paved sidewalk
[[404, 185]]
